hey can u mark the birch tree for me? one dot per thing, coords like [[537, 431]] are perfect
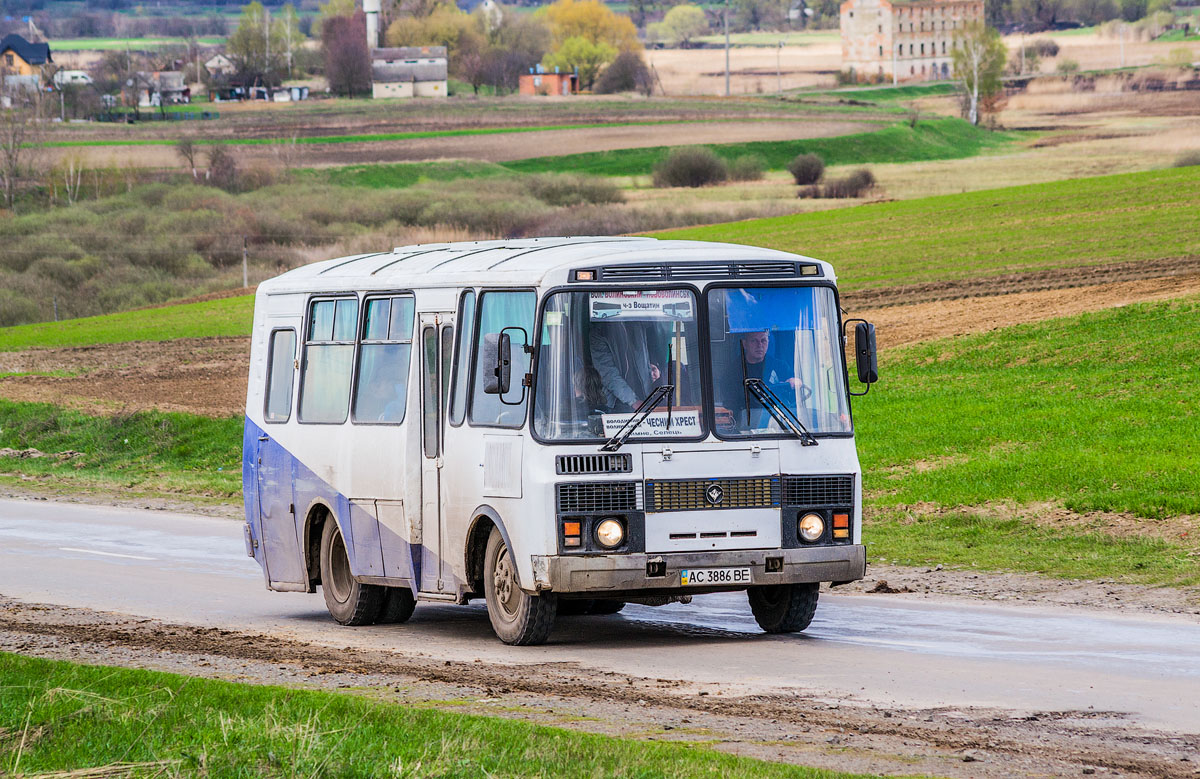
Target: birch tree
[[979, 56]]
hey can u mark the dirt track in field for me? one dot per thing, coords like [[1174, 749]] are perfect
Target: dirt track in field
[[802, 728], [208, 375]]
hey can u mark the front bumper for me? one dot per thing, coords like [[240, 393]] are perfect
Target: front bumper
[[628, 572]]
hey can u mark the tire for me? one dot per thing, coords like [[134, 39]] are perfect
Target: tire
[[398, 605], [518, 618], [350, 602], [784, 608], [606, 606]]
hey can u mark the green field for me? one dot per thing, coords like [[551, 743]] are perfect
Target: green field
[[404, 174], [932, 139], [58, 717], [147, 452], [886, 94], [1125, 218], [136, 44], [1094, 413], [224, 317], [760, 39]]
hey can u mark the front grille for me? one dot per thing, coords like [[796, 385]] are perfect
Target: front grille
[[591, 497], [593, 463], [818, 490], [692, 494]]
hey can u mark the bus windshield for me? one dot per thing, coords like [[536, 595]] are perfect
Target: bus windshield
[[603, 352], [786, 337]]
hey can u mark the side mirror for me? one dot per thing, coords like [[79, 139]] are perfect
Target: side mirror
[[497, 359], [865, 356]]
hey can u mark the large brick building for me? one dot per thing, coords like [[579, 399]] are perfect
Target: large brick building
[[887, 40]]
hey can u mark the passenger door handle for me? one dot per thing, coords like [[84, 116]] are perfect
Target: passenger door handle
[[264, 438]]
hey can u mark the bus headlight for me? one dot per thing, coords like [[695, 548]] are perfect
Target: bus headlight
[[610, 533], [811, 527]]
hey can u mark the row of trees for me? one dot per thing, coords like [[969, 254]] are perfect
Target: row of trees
[[1036, 15]]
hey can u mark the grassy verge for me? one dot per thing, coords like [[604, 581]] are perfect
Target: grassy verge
[[404, 174], [931, 139], [136, 44], [1094, 413], [886, 94], [145, 452], [1124, 218], [57, 716], [224, 317]]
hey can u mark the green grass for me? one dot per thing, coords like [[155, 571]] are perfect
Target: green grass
[[1094, 413], [224, 317], [404, 174], [1123, 218], [932, 139], [964, 540], [107, 44], [145, 452], [1176, 36], [58, 716], [885, 94], [760, 39]]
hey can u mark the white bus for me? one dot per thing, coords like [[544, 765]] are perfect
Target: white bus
[[554, 425]]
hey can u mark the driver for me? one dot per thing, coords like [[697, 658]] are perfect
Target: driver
[[753, 348]]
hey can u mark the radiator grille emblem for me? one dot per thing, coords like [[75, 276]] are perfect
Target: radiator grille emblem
[[715, 494]]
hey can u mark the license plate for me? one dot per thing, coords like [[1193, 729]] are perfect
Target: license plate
[[691, 576]]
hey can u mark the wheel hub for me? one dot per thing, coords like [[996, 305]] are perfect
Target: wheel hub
[[504, 581]]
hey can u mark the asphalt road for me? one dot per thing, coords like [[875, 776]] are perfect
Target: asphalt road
[[866, 648]]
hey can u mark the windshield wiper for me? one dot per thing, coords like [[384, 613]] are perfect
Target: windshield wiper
[[639, 416], [776, 408]]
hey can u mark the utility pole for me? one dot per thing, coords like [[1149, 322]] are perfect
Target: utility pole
[[245, 264], [1122, 28], [1022, 51], [779, 68], [726, 20]]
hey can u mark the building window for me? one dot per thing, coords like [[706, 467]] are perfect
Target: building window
[[943, 47], [383, 356], [880, 51], [328, 361], [922, 49], [900, 49], [911, 49], [881, 28], [8, 60]]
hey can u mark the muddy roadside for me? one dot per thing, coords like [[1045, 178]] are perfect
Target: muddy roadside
[[796, 726]]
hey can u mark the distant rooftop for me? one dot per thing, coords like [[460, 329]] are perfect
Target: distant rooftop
[[33, 53]]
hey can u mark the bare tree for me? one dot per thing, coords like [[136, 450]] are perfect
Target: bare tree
[[186, 148], [979, 56], [20, 131]]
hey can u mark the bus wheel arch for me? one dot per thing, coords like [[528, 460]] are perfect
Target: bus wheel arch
[[318, 513], [477, 538]]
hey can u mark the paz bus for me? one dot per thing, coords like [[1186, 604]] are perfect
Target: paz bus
[[555, 425]]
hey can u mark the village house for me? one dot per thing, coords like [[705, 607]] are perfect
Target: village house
[[409, 71], [220, 65], [21, 63], [894, 40], [164, 87], [539, 82]]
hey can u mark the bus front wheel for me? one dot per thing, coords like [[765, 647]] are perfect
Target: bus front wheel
[[784, 608], [517, 617], [350, 601]]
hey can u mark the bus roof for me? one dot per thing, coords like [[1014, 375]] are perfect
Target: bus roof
[[536, 261]]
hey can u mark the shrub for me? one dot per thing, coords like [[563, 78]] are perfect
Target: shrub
[[565, 189], [627, 73], [691, 166], [856, 184], [1042, 47], [748, 167], [1068, 67], [1187, 159], [807, 168], [222, 168]]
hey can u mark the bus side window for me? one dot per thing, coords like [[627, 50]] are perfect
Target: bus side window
[[328, 360], [281, 370], [462, 362], [381, 391], [497, 311]]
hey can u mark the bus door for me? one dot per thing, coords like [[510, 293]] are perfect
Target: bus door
[[437, 346], [273, 471]]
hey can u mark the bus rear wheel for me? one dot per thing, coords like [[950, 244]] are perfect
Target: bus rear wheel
[[350, 602], [784, 608], [517, 617], [398, 606]]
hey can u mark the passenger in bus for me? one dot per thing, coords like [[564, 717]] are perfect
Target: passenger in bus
[[622, 358], [753, 357]]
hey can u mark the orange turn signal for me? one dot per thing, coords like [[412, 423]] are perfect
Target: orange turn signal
[[844, 533], [571, 529], [841, 520]]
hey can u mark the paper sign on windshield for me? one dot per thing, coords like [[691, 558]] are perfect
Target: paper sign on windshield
[[684, 423], [674, 305]]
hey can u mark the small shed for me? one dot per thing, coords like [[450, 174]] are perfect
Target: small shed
[[539, 82], [409, 71]]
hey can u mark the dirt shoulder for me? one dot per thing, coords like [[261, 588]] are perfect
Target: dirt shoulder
[[795, 728]]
